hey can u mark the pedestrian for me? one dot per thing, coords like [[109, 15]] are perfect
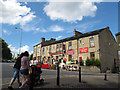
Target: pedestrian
[[16, 69], [25, 69]]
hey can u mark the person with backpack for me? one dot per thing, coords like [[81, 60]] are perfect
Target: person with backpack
[[16, 69]]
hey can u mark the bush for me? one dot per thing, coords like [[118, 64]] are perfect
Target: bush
[[93, 62], [97, 62], [81, 63], [88, 62]]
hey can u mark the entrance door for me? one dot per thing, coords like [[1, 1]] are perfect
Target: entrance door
[[80, 58]]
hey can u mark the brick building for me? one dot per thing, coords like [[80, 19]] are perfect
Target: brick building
[[99, 44]]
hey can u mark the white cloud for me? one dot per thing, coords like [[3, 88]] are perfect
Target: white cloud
[[13, 13], [6, 32], [56, 28], [70, 11], [23, 49], [58, 37]]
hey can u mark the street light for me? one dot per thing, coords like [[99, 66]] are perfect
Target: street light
[[20, 39]]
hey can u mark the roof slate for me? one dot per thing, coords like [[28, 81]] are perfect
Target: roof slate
[[74, 37]]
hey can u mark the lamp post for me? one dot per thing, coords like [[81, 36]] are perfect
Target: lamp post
[[20, 39]]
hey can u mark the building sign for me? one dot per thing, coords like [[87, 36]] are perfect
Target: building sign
[[55, 53], [70, 52], [83, 50]]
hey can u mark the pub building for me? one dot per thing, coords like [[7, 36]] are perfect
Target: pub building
[[99, 44]]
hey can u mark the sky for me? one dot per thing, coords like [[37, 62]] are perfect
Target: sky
[[53, 20]]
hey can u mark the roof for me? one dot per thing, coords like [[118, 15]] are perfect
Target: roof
[[75, 37], [117, 34]]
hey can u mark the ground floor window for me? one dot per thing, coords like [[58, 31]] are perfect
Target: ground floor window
[[92, 55], [119, 54], [70, 57]]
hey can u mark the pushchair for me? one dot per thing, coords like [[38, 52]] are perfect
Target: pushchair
[[35, 75]]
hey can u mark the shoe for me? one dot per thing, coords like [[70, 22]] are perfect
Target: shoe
[[10, 87], [20, 84]]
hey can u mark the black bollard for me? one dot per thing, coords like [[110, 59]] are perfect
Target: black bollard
[[79, 74], [105, 76], [58, 74]]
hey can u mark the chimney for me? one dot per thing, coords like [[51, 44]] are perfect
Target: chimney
[[52, 39], [76, 33], [42, 40]]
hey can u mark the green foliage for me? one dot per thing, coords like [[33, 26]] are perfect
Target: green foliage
[[6, 52], [81, 63], [97, 62], [93, 62], [31, 57], [88, 62]]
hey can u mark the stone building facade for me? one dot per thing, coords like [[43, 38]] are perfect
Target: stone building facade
[[98, 44]]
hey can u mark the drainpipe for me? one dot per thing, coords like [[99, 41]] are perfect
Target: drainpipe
[[77, 50]]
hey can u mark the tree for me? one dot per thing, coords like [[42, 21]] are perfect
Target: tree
[[6, 52], [31, 57]]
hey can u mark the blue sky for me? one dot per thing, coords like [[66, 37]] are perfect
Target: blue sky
[[53, 20]]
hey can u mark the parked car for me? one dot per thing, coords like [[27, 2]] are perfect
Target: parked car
[[72, 67], [9, 61]]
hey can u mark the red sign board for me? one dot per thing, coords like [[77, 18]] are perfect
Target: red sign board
[[83, 50], [55, 53], [70, 52]]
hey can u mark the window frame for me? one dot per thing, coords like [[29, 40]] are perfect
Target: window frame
[[92, 55], [61, 47], [50, 48], [43, 50], [69, 57], [91, 42], [57, 48], [70, 46]]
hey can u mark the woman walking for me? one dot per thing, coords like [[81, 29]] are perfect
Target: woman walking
[[25, 69]]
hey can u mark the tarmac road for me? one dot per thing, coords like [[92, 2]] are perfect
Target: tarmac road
[[92, 79]]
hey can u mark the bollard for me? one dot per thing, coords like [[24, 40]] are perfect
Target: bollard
[[58, 74], [79, 74], [105, 76]]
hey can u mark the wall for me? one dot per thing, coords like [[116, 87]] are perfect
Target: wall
[[85, 43], [108, 50]]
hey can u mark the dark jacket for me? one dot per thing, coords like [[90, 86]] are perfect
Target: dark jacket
[[18, 63]]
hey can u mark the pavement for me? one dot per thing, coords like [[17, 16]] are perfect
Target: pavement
[[73, 82]]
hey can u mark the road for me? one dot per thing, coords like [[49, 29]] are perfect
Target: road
[[7, 72]]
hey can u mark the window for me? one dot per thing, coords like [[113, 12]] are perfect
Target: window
[[119, 54], [92, 55], [38, 49], [49, 48], [92, 42], [80, 41], [70, 57], [60, 47], [70, 45], [57, 47], [43, 50]]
